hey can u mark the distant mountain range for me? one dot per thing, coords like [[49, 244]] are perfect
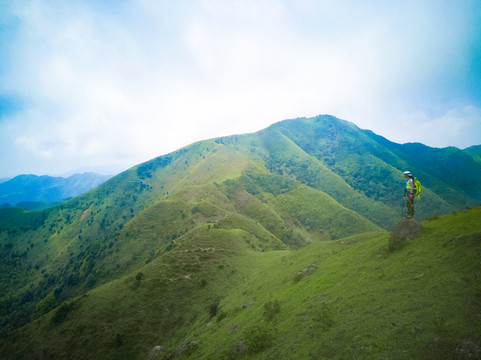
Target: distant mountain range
[[35, 192], [209, 251]]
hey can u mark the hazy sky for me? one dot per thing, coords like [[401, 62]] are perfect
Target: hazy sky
[[104, 85]]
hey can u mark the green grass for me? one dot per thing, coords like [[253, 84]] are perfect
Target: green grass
[[362, 301], [344, 299], [317, 211]]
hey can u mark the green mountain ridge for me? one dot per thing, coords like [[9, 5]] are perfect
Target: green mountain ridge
[[212, 207], [475, 152]]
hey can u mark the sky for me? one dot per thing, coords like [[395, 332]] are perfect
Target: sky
[[99, 85]]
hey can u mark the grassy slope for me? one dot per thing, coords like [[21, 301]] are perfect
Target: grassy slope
[[362, 302], [358, 302], [288, 158], [137, 216]]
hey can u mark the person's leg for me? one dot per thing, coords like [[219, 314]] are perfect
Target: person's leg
[[410, 207]]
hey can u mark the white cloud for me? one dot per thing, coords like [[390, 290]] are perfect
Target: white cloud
[[459, 127], [110, 85]]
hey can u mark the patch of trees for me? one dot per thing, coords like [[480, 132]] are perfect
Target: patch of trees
[[227, 140], [255, 183], [62, 312], [14, 220], [145, 170], [53, 286]]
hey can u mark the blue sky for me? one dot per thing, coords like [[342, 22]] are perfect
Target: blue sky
[[104, 85]]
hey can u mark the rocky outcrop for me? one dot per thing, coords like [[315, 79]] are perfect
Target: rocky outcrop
[[406, 229]]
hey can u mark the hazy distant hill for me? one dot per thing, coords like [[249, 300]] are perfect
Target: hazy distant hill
[[46, 189], [166, 251]]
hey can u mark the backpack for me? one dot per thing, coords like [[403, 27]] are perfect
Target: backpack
[[417, 187]]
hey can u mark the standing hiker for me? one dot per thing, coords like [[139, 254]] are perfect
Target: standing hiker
[[409, 191]]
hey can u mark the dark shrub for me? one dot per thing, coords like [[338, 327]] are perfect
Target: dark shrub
[[61, 313], [271, 309], [118, 341], [90, 282], [139, 276], [213, 307], [258, 338]]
